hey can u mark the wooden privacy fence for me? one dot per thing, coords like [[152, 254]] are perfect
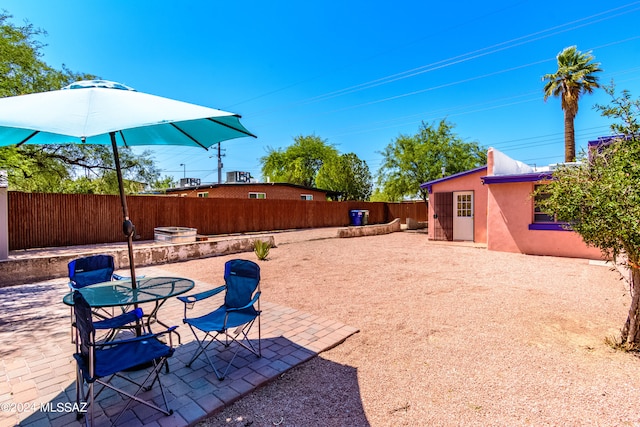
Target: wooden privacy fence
[[38, 220]]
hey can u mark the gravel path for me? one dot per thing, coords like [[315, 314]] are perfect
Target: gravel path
[[450, 335]]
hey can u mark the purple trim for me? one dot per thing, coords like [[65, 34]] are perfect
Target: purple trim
[[605, 140], [522, 177], [429, 185], [550, 226]]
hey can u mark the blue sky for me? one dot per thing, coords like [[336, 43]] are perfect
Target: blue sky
[[356, 73]]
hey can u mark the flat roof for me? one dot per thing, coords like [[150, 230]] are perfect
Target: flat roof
[[429, 184], [233, 184]]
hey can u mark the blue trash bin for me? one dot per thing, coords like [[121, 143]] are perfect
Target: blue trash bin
[[356, 217]]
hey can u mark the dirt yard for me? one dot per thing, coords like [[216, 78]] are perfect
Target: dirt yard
[[450, 335]]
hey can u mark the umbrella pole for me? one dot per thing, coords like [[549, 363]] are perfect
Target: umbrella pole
[[127, 225]]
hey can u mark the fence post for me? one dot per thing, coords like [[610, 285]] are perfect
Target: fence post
[[4, 216]]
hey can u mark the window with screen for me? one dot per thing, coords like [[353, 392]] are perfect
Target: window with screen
[[538, 215]]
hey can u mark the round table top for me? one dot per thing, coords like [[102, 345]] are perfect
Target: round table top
[[120, 292]]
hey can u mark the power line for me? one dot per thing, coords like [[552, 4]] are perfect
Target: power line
[[452, 27], [519, 41], [459, 110]]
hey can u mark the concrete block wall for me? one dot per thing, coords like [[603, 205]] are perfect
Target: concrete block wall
[[35, 269]]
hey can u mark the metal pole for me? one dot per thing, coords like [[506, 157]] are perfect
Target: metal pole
[[4, 216], [219, 164], [127, 226]]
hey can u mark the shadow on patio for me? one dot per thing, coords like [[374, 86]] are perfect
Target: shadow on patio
[[36, 360]]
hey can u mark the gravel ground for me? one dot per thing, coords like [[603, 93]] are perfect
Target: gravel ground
[[450, 335]]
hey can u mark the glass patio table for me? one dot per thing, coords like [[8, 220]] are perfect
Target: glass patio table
[[119, 293]]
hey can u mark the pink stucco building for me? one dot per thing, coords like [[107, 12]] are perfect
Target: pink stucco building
[[494, 205]]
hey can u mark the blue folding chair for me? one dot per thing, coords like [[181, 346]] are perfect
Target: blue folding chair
[[101, 362], [232, 321], [93, 269], [90, 270], [87, 271]]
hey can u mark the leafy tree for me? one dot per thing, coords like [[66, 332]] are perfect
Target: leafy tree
[[574, 77], [601, 199], [379, 195], [163, 183], [348, 175], [55, 168], [28, 169], [300, 162], [412, 160], [22, 70], [74, 168], [622, 108]]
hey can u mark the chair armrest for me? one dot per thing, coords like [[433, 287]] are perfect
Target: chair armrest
[[118, 321], [135, 339], [190, 299], [253, 301], [115, 276]]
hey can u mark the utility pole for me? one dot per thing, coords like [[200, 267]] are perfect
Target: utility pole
[[220, 165]]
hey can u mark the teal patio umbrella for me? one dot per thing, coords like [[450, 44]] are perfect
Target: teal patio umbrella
[[110, 113]]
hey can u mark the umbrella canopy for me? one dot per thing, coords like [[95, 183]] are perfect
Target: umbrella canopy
[[87, 112], [104, 112]]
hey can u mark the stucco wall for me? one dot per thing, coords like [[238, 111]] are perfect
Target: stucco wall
[[509, 213], [470, 182]]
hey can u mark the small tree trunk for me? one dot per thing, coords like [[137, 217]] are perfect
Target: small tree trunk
[[569, 138], [631, 330]]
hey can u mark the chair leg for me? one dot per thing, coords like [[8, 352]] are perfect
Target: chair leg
[[226, 342], [91, 403], [79, 391], [71, 328], [157, 367], [201, 346]]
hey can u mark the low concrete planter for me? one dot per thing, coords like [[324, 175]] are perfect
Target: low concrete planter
[[174, 234], [370, 230]]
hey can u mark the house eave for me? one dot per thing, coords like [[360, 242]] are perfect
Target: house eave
[[524, 177], [430, 184]]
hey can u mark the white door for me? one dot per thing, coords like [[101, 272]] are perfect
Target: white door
[[463, 215]]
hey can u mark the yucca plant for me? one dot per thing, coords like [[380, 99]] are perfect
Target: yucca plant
[[261, 248]]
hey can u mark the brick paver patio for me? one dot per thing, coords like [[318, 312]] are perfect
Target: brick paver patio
[[37, 370]]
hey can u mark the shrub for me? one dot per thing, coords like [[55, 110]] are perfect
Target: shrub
[[261, 248]]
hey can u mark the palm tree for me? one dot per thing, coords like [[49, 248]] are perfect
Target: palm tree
[[575, 76]]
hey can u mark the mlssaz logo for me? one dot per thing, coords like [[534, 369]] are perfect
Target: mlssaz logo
[[64, 407]]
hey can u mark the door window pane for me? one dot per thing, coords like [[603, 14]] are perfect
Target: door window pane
[[464, 208]]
